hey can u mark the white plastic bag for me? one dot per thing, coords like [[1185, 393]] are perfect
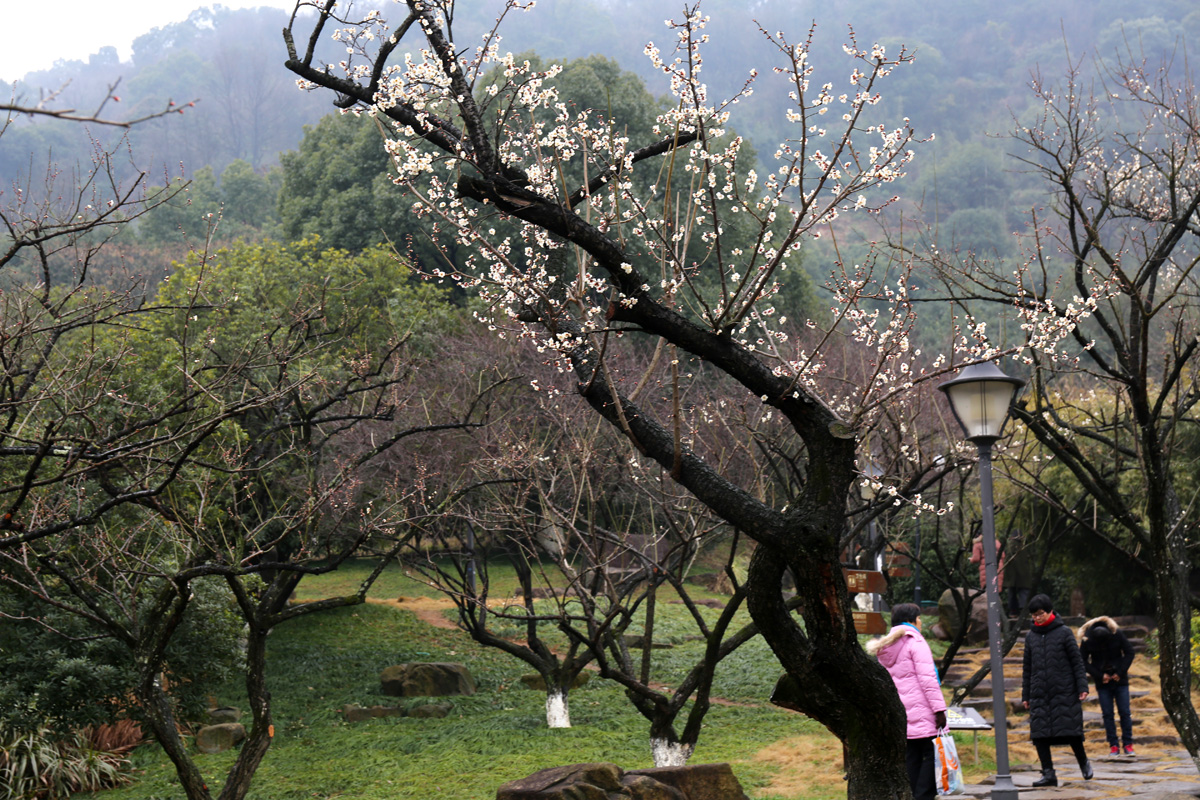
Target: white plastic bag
[[947, 771]]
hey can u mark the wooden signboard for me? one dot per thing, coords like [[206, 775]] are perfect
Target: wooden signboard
[[869, 622], [861, 580]]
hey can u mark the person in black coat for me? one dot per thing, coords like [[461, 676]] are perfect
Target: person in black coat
[[1053, 688], [1107, 656], [1019, 574]]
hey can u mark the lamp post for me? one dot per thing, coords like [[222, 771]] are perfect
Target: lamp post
[[980, 398]]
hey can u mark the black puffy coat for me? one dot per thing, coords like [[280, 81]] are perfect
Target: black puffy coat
[[1052, 681]]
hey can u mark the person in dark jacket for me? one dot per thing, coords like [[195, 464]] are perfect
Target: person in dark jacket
[[1019, 574], [1053, 687], [1107, 656]]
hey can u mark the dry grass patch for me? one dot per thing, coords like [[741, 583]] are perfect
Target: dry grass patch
[[809, 766]]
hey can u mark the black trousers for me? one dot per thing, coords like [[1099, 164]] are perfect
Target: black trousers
[[1043, 750], [918, 757]]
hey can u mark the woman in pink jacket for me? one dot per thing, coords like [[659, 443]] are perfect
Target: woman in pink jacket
[[906, 656], [977, 558]]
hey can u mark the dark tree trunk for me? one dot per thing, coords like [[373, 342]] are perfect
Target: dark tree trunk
[[163, 620], [258, 738], [1172, 567], [156, 705], [836, 683]]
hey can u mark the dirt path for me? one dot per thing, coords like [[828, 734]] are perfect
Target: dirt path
[[429, 610]]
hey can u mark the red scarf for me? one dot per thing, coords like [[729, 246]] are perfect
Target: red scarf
[[1049, 618]]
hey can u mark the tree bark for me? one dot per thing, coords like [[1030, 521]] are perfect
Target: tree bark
[[838, 684], [156, 705], [262, 731], [1172, 569]]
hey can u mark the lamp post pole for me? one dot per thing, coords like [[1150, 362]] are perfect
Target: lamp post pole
[[980, 397], [1004, 789]]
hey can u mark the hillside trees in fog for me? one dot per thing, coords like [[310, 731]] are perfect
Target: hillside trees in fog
[[245, 107]]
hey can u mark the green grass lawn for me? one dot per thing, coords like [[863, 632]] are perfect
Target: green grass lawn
[[318, 664]]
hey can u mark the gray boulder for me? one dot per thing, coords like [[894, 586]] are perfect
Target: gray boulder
[[699, 781], [949, 620], [432, 679], [219, 738], [536, 681], [604, 781], [224, 714], [572, 782]]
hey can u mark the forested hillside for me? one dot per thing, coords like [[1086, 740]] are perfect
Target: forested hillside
[[974, 60], [226, 62], [239, 110]]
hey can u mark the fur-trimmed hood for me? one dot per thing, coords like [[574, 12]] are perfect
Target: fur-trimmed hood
[[1107, 622], [891, 637], [1105, 654]]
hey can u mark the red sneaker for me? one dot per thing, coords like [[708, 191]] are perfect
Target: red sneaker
[[1114, 750], [1129, 750]]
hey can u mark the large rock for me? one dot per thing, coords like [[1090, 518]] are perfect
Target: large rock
[[224, 714], [536, 681], [698, 782], [949, 620], [219, 738], [572, 782], [432, 679], [609, 782]]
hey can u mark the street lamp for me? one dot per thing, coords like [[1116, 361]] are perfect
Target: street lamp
[[980, 398]]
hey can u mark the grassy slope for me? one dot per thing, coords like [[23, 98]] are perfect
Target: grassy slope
[[320, 663]]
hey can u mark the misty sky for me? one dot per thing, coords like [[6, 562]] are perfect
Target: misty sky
[[81, 27]]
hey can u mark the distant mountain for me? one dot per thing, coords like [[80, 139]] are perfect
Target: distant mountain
[[971, 74]]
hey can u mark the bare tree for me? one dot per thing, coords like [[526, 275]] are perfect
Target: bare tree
[[593, 541], [45, 106]]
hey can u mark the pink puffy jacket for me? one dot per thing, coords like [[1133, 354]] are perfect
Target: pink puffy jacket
[[906, 656]]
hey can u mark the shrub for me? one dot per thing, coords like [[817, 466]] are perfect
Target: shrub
[[36, 764]]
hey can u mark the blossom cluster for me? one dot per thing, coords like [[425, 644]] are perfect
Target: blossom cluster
[[700, 233]]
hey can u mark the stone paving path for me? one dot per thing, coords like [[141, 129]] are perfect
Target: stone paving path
[[1171, 776], [1162, 770]]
